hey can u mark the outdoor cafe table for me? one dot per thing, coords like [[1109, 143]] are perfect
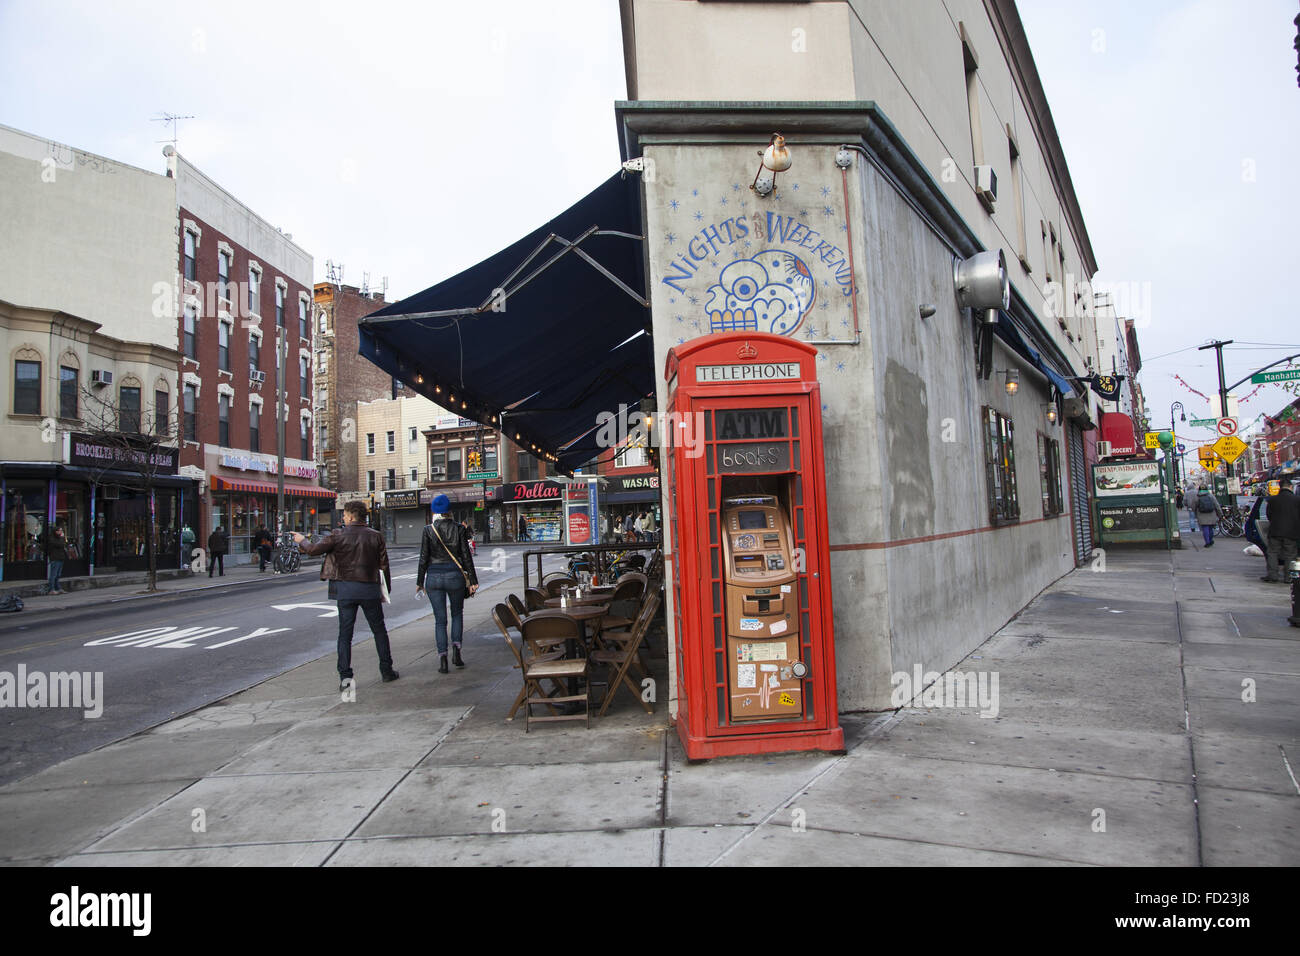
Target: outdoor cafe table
[[586, 600]]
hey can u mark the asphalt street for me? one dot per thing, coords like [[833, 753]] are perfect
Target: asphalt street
[[167, 655]]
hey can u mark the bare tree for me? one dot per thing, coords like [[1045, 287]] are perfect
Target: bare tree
[[131, 446]]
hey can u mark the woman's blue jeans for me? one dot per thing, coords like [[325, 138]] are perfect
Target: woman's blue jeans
[[443, 583]]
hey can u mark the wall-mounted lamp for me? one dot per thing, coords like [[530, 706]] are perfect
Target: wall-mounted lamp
[[1051, 412], [776, 159], [1012, 376], [982, 282]]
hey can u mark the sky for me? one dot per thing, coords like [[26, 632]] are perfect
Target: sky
[[413, 140], [1180, 123]]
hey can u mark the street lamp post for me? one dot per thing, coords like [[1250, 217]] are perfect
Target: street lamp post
[[1182, 416]]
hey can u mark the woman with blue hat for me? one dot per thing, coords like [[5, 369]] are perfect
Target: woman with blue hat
[[446, 573]]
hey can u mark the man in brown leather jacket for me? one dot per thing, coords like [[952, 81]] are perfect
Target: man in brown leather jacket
[[360, 555]]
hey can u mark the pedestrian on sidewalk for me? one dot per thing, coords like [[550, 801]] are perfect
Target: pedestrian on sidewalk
[[446, 573], [1208, 513], [56, 552], [469, 535], [263, 543], [1283, 512], [218, 545], [1189, 501], [360, 556], [1256, 529], [523, 526]]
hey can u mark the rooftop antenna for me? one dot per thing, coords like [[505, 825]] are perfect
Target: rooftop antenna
[[173, 119], [334, 272], [365, 283]]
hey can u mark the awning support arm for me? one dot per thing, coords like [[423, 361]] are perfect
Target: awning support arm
[[507, 290]]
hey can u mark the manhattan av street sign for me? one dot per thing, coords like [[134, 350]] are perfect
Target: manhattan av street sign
[[1285, 375]]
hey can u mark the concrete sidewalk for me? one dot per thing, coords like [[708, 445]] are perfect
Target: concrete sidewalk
[[1122, 738]]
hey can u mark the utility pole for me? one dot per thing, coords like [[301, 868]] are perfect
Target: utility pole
[[1223, 389], [280, 343]]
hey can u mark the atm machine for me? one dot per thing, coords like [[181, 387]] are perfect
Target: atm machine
[[766, 666]]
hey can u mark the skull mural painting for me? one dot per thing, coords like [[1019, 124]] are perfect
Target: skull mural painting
[[772, 291]]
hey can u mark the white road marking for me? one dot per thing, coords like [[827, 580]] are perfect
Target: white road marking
[[261, 631], [330, 609], [173, 636]]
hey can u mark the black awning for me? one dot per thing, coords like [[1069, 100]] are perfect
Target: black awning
[[550, 331]]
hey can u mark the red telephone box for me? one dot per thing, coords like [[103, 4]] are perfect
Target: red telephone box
[[751, 556]]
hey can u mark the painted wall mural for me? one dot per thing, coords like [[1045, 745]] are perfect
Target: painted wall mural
[[778, 265]]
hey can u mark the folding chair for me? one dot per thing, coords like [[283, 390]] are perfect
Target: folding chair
[[517, 606], [506, 619], [630, 587], [617, 660], [552, 587], [541, 633]]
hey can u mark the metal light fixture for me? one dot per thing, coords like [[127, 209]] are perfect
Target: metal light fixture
[[1012, 376], [775, 159], [1051, 412]]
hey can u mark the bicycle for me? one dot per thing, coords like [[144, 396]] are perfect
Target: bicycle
[[288, 558], [1231, 523]]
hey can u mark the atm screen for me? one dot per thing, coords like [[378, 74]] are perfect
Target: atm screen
[[752, 519]]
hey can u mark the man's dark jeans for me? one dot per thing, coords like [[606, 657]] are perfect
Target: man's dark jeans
[[374, 612], [218, 561]]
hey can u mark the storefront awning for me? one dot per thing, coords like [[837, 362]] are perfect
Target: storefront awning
[[1007, 331], [269, 488], [549, 332]]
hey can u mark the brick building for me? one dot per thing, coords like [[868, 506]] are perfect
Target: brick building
[[342, 380], [244, 285]]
